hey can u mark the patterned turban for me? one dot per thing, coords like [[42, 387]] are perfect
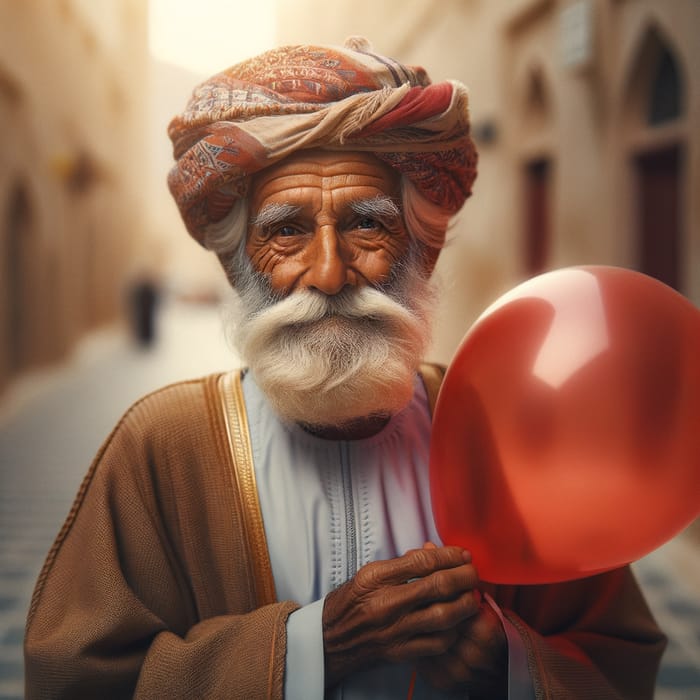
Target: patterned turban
[[298, 97]]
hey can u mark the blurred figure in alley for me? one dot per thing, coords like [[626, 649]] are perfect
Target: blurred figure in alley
[[143, 299]]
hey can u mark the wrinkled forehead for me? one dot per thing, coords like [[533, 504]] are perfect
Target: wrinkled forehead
[[314, 173]]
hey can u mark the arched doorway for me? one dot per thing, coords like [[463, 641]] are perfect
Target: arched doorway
[[658, 186], [16, 279], [537, 179], [656, 101]]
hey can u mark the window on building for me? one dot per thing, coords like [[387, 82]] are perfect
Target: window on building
[[656, 97], [537, 215], [665, 94]]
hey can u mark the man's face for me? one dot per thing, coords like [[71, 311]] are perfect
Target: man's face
[[326, 221], [335, 300]]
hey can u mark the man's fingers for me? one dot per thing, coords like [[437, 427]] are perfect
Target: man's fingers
[[416, 563], [443, 615], [476, 661], [442, 585], [435, 591], [423, 646]]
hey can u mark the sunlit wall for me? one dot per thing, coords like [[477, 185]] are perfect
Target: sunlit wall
[[72, 88], [578, 107], [587, 118]]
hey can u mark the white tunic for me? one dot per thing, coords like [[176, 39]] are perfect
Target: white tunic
[[330, 507]]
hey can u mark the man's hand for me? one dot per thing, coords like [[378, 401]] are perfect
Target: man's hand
[[477, 661], [402, 609]]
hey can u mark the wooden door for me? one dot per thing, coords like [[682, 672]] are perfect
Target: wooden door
[[658, 214], [537, 215]]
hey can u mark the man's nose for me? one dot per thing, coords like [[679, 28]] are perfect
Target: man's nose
[[328, 263]]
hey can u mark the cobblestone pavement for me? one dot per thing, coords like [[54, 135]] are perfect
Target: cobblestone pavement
[[52, 423]]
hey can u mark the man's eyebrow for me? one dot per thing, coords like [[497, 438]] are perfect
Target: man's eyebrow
[[274, 213], [379, 207]]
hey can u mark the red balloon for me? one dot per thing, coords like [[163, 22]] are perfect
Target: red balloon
[[566, 435]]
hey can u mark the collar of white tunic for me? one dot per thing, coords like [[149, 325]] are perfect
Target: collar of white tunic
[[329, 506]]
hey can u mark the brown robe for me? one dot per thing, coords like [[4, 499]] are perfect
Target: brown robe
[[148, 592]]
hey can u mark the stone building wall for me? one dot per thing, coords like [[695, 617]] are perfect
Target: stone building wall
[[562, 94], [72, 88]]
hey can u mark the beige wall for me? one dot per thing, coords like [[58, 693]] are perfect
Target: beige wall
[[72, 84], [73, 88], [588, 125]]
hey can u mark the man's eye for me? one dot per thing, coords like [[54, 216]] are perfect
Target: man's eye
[[366, 222], [287, 230]]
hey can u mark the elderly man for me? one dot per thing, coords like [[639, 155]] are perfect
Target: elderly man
[[268, 533]]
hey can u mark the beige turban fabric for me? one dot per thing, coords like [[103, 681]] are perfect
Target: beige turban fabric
[[298, 97]]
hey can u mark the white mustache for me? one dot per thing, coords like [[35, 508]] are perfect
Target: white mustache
[[306, 307]]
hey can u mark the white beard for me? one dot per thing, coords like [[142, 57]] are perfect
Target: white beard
[[329, 360]]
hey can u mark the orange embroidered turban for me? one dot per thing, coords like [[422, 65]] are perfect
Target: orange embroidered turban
[[259, 111]]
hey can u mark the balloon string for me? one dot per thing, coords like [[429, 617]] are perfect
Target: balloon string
[[411, 686]]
